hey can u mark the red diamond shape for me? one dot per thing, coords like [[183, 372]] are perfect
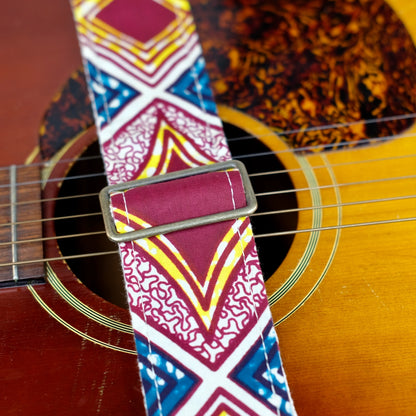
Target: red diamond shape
[[139, 19]]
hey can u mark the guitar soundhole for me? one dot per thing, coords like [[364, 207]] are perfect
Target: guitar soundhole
[[102, 274]]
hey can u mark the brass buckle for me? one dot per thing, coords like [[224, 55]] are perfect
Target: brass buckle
[[114, 235]]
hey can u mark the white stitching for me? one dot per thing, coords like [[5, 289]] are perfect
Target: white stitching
[[266, 357], [198, 87], [117, 164], [159, 402]]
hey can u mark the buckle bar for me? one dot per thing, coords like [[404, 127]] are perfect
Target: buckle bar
[[114, 235]]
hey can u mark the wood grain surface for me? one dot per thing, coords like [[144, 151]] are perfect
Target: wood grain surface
[[38, 53]]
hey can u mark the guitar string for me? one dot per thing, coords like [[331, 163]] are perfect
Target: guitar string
[[56, 237], [275, 132], [279, 192], [275, 172], [302, 149], [333, 165], [258, 194], [339, 205], [51, 162], [336, 185], [256, 214], [48, 163], [273, 234], [100, 174], [320, 147], [54, 199], [334, 126], [327, 147]]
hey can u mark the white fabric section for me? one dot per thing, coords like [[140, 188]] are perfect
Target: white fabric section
[[148, 93], [211, 378]]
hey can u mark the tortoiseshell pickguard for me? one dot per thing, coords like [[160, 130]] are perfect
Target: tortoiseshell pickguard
[[68, 115], [302, 64]]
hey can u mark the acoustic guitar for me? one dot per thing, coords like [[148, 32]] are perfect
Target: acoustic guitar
[[318, 99]]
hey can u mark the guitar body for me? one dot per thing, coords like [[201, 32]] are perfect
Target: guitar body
[[342, 297], [64, 349], [50, 369], [46, 368], [351, 314]]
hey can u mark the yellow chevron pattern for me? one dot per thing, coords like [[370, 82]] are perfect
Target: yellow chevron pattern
[[164, 258]]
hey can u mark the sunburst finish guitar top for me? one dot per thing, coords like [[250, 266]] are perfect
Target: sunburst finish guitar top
[[326, 76], [327, 90]]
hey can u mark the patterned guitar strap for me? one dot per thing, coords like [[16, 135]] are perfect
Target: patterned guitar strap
[[204, 333]]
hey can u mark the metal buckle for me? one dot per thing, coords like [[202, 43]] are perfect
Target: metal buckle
[[117, 237]]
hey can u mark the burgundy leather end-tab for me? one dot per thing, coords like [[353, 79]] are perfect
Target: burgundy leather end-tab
[[182, 199]]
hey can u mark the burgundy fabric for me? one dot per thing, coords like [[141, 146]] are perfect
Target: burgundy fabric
[[122, 15], [185, 198]]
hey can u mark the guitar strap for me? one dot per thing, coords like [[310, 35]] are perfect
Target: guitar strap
[[204, 333]]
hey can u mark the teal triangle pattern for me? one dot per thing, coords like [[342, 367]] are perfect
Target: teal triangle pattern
[[193, 86], [110, 94], [166, 382], [266, 383]]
